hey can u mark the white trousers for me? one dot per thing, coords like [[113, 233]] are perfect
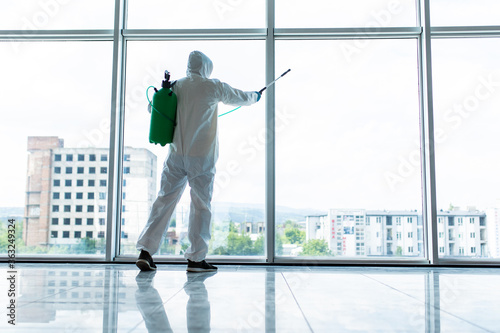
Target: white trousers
[[177, 171]]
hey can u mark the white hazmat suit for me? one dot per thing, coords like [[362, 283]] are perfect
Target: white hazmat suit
[[192, 156]]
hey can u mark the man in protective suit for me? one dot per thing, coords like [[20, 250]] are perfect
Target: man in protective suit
[[192, 157]]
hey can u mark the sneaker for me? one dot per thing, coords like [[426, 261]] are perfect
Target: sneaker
[[145, 262], [200, 266]]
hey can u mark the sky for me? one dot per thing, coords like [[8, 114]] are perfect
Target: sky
[[347, 114]]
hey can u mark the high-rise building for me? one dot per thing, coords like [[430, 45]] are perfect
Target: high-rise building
[[66, 192]]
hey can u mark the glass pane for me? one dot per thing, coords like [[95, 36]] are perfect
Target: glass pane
[[342, 14], [195, 14], [56, 104], [347, 150], [466, 76], [238, 199], [31, 15], [452, 12]]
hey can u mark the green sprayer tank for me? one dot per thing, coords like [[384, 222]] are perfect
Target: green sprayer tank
[[163, 120]]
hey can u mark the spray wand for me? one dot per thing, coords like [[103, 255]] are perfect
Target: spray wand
[[270, 84], [260, 91]]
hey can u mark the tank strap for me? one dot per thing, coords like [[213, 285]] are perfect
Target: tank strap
[[167, 117]]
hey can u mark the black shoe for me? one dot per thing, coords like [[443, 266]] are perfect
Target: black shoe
[[145, 262], [200, 266]]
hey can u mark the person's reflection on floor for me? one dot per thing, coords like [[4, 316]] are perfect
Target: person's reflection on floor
[[198, 306], [150, 303]]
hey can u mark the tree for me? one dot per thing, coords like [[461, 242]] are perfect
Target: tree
[[294, 235], [399, 251], [4, 235], [278, 244], [239, 244], [258, 245], [85, 245], [315, 247]]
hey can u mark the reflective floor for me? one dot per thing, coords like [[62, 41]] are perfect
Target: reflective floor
[[117, 298]]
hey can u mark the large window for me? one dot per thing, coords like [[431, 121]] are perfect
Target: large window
[[467, 100], [33, 15], [451, 12], [55, 103], [347, 160], [336, 162], [196, 14], [361, 14], [238, 199]]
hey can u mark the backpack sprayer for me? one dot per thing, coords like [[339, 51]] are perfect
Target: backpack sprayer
[[163, 113], [164, 108]]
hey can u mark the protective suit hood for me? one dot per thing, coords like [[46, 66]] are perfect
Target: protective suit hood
[[199, 64]]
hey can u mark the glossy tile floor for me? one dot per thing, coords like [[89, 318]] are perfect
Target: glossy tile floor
[[117, 298]]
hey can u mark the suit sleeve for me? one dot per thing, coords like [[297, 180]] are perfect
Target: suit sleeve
[[232, 96]]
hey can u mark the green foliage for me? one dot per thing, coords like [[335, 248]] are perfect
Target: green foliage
[[4, 235], [291, 224], [399, 251], [85, 245], [239, 243], [279, 244], [258, 245], [184, 247], [294, 235], [316, 247]]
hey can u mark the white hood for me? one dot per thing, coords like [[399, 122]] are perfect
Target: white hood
[[199, 64]]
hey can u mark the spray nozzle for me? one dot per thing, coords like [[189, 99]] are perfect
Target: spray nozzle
[[166, 83]]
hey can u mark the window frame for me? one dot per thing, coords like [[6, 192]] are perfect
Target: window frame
[[423, 33]]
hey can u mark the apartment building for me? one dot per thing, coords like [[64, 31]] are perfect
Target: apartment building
[[67, 192], [358, 232]]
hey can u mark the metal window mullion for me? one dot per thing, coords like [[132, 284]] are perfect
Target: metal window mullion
[[190, 34], [116, 135], [270, 135], [465, 31], [70, 35], [429, 208], [121, 140], [352, 33]]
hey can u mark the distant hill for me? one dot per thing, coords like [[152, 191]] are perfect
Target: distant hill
[[222, 211], [239, 212], [11, 211]]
